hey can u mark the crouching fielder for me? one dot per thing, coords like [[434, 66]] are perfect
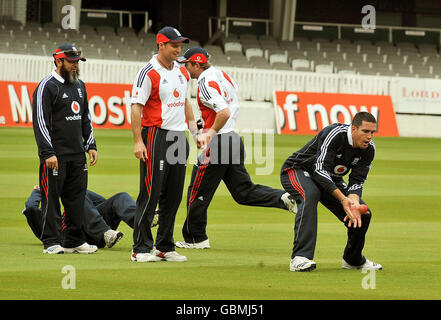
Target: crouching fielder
[[315, 174]]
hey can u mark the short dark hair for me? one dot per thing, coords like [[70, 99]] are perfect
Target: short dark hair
[[363, 116]]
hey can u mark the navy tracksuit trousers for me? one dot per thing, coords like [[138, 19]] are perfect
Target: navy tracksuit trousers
[[69, 184], [162, 179]]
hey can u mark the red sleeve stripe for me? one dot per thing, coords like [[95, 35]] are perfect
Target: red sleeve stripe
[[185, 73], [226, 76], [215, 85]]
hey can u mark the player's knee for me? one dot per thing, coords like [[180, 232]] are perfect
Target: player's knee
[[123, 195], [365, 220], [311, 196], [123, 199], [240, 197], [367, 217]]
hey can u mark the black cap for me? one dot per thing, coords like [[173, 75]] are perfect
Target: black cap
[[170, 34], [195, 54], [68, 52]]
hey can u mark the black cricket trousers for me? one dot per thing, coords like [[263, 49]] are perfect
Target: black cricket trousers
[[308, 194], [162, 179], [224, 160], [70, 184]]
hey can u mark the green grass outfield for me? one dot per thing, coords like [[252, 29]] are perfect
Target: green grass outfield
[[251, 247]]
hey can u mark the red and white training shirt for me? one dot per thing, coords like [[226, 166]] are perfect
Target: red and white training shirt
[[217, 91], [162, 92]]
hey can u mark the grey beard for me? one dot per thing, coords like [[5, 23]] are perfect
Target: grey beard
[[70, 77], [73, 77]]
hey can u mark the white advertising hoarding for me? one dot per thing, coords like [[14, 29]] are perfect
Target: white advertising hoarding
[[416, 95]]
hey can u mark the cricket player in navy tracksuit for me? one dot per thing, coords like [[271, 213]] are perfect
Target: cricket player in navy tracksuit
[[315, 174], [63, 132]]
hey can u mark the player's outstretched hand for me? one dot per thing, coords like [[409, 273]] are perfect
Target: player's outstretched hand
[[355, 215]]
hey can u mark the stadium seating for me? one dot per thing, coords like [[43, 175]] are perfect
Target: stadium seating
[[259, 62], [126, 32], [340, 56], [300, 65], [324, 68]]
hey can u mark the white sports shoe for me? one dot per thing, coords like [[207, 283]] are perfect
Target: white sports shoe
[[84, 248], [111, 237], [301, 264], [144, 257], [198, 245], [289, 202], [369, 265], [55, 249], [169, 256]]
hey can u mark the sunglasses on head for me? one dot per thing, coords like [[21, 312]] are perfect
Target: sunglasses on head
[[68, 54], [72, 53]]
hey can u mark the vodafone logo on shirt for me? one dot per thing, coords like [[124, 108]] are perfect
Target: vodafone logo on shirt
[[340, 169], [308, 112], [75, 106], [176, 104]]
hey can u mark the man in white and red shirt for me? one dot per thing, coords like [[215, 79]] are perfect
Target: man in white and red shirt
[[160, 110], [224, 155]]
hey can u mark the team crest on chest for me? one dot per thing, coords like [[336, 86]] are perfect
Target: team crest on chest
[[354, 162], [181, 78]]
